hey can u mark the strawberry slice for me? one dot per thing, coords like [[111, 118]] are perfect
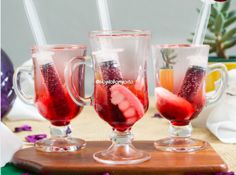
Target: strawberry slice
[[127, 102], [171, 106]]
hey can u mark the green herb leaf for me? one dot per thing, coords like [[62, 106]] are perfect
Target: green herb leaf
[[211, 43], [219, 23], [214, 12], [229, 21], [211, 29], [230, 43], [231, 14], [211, 22], [210, 37], [225, 6], [229, 34], [218, 6]]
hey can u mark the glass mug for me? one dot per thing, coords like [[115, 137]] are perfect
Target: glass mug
[[120, 89], [51, 96], [180, 72]]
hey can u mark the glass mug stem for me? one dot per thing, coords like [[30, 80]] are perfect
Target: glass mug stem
[[121, 150], [180, 131], [180, 140], [60, 131], [60, 141]]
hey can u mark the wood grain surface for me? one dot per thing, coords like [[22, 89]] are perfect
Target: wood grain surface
[[205, 161]]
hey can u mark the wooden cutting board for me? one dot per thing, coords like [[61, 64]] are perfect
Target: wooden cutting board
[[205, 161]]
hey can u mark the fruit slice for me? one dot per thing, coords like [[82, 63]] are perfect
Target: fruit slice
[[192, 82], [166, 79], [171, 106], [127, 102]]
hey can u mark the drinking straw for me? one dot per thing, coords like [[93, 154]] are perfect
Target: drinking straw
[[202, 23], [47, 67], [104, 16], [105, 24], [36, 28], [34, 22]]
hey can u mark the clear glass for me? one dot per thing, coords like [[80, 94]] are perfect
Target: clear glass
[[120, 89], [180, 72], [51, 96]]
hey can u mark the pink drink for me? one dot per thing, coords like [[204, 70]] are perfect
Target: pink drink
[[109, 72], [52, 98], [183, 106]]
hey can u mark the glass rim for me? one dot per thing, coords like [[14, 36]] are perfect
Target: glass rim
[[57, 47], [180, 46], [120, 33]]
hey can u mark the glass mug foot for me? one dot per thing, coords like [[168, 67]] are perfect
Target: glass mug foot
[[60, 144], [119, 155], [60, 141], [180, 144], [180, 140], [121, 151]]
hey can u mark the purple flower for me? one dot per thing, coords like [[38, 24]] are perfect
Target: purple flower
[[23, 128], [229, 173], [25, 174], [68, 131], [220, 173], [34, 138], [157, 115]]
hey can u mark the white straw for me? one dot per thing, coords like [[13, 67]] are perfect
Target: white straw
[[36, 28], [104, 16], [202, 23], [34, 22]]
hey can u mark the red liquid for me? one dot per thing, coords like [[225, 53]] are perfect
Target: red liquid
[[181, 108], [52, 98], [111, 113]]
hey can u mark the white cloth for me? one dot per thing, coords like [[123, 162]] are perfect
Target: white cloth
[[222, 120], [9, 144], [20, 110]]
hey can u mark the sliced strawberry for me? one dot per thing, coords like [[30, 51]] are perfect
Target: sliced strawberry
[[119, 92], [171, 106]]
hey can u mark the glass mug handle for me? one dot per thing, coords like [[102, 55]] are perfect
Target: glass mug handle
[[17, 82], [71, 87], [220, 89]]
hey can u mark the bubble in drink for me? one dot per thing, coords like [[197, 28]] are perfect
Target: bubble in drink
[[128, 103]]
